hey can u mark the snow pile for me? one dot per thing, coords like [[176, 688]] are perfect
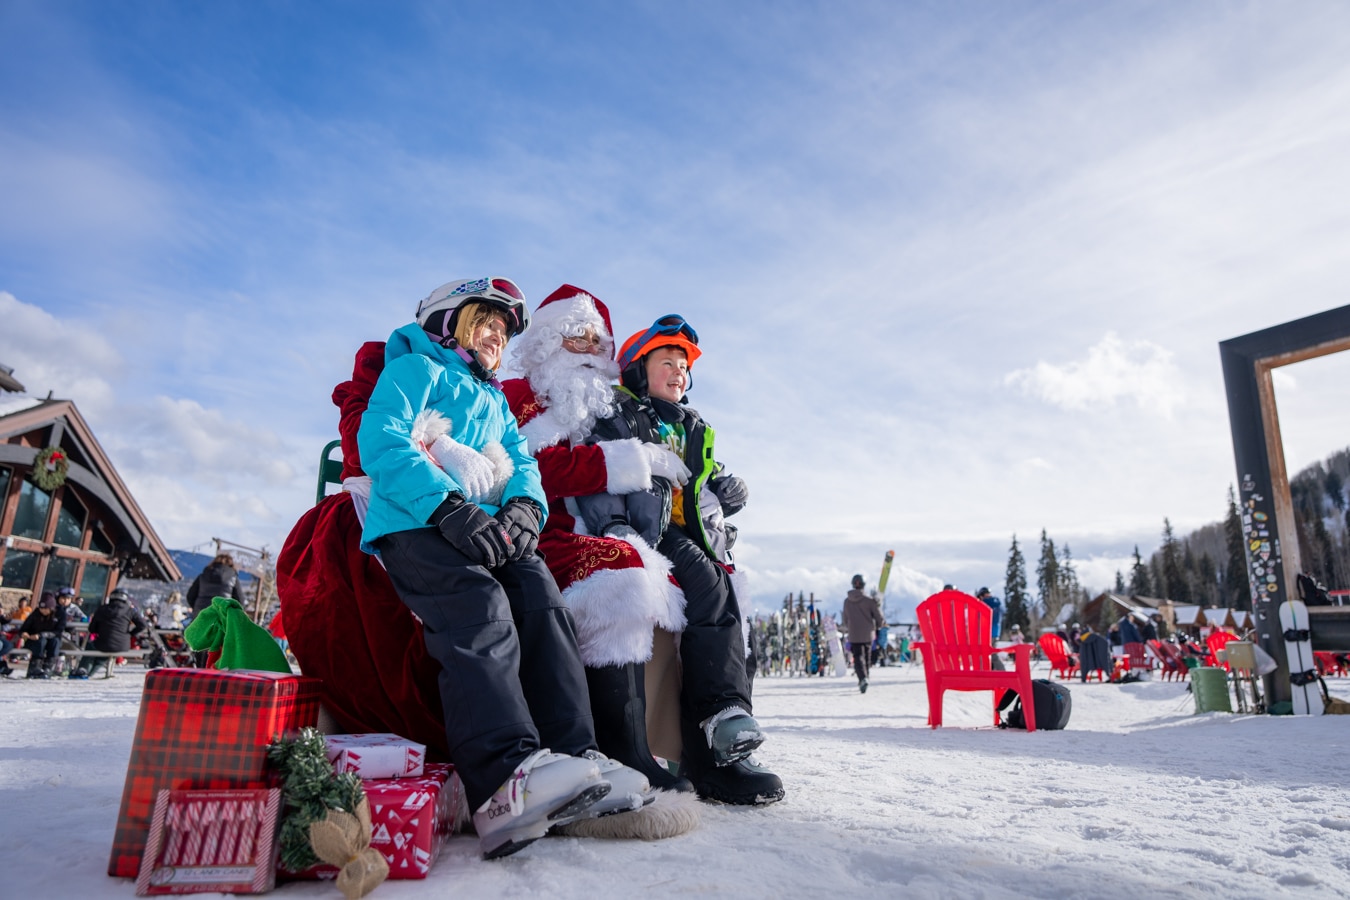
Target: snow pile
[[1138, 798]]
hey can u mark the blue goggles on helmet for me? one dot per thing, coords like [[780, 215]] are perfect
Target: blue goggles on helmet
[[666, 325]]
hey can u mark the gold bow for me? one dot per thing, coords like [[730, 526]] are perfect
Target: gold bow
[[343, 840]]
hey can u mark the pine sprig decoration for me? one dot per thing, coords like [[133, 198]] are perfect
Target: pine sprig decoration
[[309, 790]]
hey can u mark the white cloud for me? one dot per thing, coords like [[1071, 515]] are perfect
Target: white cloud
[[1114, 371]]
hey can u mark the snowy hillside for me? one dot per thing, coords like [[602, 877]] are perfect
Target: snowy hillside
[[1138, 798]]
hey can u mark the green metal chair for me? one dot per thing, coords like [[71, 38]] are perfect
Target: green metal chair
[[330, 469]]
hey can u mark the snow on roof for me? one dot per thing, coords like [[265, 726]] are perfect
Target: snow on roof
[[12, 403]]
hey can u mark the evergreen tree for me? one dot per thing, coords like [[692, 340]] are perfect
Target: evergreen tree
[[1155, 576], [1015, 590], [1068, 587], [1207, 577], [1140, 583], [1120, 579], [1335, 486], [1237, 586], [1174, 578], [1047, 576]]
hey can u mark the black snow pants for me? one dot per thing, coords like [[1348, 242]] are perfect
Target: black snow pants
[[512, 681], [862, 655], [712, 645]]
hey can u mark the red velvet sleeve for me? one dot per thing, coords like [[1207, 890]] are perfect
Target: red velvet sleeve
[[572, 471]]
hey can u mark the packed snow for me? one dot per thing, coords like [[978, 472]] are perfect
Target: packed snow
[[1139, 797]]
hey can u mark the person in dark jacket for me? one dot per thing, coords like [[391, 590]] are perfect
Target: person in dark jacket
[[687, 524], [42, 632], [218, 579], [862, 617], [111, 629]]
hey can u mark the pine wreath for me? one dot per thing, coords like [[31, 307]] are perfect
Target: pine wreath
[[50, 467]]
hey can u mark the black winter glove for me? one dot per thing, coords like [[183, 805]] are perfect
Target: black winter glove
[[471, 531], [519, 517], [732, 493]]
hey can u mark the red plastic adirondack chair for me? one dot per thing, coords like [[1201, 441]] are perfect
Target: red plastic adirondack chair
[[1136, 660], [1216, 642], [1062, 662], [1169, 658], [957, 649]]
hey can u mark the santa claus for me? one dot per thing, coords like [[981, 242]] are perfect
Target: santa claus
[[619, 589]]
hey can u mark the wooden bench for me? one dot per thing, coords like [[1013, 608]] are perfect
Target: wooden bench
[[138, 653]]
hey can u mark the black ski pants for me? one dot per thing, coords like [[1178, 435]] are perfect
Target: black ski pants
[[712, 646], [511, 681], [862, 655]]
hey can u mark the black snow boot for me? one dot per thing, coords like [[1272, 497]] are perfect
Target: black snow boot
[[619, 709], [742, 783]]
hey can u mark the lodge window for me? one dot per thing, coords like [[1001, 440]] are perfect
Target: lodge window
[[19, 568], [31, 519], [4, 486], [60, 573], [93, 586], [70, 520], [99, 543]]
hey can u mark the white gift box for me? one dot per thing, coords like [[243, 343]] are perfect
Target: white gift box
[[375, 755]]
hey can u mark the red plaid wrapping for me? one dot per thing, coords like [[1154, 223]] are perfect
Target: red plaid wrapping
[[410, 819], [203, 728]]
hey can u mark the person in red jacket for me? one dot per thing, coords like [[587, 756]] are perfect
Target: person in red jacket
[[618, 589]]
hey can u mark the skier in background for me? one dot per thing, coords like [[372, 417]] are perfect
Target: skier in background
[[996, 606], [861, 617]]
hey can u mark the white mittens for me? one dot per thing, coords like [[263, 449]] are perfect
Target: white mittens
[[665, 463], [470, 469]]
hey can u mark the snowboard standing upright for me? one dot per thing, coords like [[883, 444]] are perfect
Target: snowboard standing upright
[[1303, 682]]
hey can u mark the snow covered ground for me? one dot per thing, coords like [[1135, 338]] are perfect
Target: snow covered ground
[[1139, 797]]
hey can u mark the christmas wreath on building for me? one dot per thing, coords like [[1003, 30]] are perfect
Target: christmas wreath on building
[[50, 468]]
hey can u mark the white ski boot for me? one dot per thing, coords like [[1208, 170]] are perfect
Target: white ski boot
[[547, 789], [631, 789]]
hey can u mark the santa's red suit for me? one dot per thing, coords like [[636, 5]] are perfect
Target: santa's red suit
[[617, 589]]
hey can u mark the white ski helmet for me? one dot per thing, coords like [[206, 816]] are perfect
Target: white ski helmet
[[501, 293]]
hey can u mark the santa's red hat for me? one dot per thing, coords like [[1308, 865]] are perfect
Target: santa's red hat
[[569, 310]]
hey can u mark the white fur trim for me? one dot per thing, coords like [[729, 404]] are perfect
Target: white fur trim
[[544, 430], [502, 470], [570, 316], [613, 613], [740, 586], [667, 599], [627, 466], [672, 813], [429, 425]]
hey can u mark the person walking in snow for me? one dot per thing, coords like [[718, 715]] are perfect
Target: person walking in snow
[[617, 585], [455, 512], [686, 522], [861, 617]]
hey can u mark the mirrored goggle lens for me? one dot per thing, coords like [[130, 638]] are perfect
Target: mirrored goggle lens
[[675, 325], [508, 287]]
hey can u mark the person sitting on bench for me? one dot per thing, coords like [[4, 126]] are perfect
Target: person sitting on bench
[[110, 631]]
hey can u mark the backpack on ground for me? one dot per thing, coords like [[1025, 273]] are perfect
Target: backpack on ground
[[1053, 705]]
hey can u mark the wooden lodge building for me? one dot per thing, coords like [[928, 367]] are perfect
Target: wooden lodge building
[[1109, 606], [66, 517]]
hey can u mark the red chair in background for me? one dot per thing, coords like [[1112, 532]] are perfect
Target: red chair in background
[[1169, 659], [1216, 642], [1328, 663], [957, 647], [1056, 649], [1136, 660]]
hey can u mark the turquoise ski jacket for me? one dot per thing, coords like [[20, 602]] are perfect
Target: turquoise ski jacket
[[406, 486]]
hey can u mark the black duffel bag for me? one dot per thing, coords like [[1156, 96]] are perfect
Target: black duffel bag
[[1053, 705]]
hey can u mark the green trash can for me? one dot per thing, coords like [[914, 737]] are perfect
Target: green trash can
[[1209, 684]]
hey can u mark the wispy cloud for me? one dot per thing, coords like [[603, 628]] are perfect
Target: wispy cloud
[[1114, 371]]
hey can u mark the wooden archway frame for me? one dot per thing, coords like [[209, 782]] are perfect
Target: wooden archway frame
[[1269, 532]]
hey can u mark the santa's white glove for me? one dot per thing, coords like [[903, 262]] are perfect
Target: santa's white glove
[[470, 469], [665, 463]]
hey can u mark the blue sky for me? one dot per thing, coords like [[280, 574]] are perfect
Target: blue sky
[[960, 269]]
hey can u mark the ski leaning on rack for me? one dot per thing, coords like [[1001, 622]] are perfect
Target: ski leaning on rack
[[1303, 680]]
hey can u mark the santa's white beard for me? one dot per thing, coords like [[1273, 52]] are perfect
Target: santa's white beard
[[576, 388]]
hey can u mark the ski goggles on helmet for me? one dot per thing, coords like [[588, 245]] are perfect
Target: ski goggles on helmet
[[500, 293], [667, 331]]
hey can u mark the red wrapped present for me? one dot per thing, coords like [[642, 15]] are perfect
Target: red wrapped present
[[203, 729], [221, 842], [410, 818], [375, 755]]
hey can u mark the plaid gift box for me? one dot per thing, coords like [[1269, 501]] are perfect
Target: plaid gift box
[[375, 755], [204, 729], [410, 818], [220, 842]]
